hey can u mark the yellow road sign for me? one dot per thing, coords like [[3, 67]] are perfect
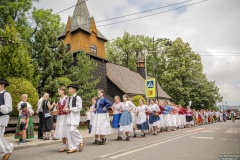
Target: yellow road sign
[[150, 85]]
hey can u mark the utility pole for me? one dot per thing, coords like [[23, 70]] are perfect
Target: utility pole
[[155, 67]]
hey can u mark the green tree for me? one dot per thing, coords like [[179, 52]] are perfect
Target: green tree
[[123, 51], [16, 13], [82, 73], [51, 60], [181, 75], [14, 58]]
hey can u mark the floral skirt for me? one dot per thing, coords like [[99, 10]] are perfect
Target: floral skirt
[[29, 132]]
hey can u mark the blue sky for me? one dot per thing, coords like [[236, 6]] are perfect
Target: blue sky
[[211, 26]]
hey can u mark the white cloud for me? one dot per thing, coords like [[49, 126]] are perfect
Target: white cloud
[[211, 26]]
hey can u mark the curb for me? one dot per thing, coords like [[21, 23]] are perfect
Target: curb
[[20, 147]]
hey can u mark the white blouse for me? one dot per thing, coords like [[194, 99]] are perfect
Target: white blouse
[[141, 118], [127, 105], [154, 108], [116, 107]]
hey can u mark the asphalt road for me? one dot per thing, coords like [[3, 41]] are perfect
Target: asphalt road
[[206, 142]]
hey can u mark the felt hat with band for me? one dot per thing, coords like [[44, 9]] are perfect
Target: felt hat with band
[[3, 81], [74, 86]]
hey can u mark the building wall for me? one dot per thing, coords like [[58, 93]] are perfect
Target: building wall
[[113, 90], [81, 40], [101, 71]]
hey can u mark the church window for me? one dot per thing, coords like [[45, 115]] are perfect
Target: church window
[[68, 47], [93, 49]]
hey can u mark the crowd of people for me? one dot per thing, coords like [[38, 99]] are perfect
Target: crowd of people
[[61, 120]]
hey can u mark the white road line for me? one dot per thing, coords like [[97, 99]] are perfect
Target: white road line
[[143, 147], [224, 139], [202, 137], [207, 131], [198, 129], [233, 130]]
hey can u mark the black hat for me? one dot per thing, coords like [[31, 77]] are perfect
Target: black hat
[[23, 105], [74, 86], [3, 81]]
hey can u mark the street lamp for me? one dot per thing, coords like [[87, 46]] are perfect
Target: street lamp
[[155, 57]]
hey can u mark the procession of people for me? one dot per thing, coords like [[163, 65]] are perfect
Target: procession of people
[[150, 118]]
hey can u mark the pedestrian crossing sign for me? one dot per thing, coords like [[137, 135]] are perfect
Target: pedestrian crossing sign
[[150, 85]]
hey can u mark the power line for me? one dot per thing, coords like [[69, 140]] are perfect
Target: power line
[[143, 11], [143, 16], [71, 7], [152, 14]]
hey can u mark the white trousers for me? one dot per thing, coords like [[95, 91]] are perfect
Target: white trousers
[[74, 137], [5, 146]]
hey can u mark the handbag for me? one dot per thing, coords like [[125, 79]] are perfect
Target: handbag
[[47, 115]]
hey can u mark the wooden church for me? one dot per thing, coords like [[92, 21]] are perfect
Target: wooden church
[[81, 34]]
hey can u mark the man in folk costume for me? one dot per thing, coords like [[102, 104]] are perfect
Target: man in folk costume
[[73, 108], [6, 148]]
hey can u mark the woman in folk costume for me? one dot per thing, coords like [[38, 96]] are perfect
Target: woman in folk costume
[[6, 148], [92, 108], [47, 118], [154, 118], [206, 116], [101, 122], [173, 118], [195, 117], [134, 119], [189, 117], [221, 116], [182, 116], [199, 117], [61, 125], [178, 116], [202, 116], [166, 115], [73, 108], [161, 121], [116, 108], [142, 122], [125, 123], [30, 130], [158, 104]]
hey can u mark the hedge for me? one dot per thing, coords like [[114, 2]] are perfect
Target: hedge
[[136, 99]]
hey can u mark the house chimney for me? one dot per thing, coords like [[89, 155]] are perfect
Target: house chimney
[[141, 65]]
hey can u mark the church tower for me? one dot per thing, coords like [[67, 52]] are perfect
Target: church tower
[[81, 33]]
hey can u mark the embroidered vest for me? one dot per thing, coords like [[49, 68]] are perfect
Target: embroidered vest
[[2, 102], [74, 101]]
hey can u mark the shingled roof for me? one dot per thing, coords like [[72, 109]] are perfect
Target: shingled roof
[[130, 82], [81, 20]]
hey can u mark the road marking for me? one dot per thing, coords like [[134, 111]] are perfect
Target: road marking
[[224, 139], [233, 130], [143, 147], [207, 131], [196, 130], [202, 137]]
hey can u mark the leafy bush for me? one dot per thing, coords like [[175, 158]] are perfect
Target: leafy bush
[[136, 99], [19, 86]]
